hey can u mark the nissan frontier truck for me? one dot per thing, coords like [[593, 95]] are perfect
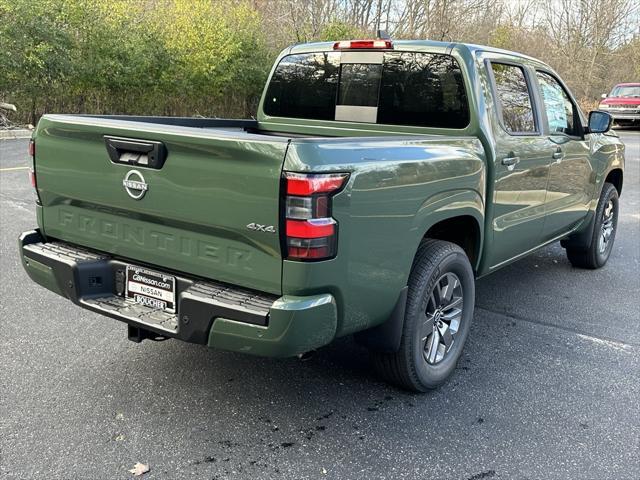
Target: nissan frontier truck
[[378, 181]]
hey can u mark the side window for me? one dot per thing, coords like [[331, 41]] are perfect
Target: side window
[[514, 97], [561, 114]]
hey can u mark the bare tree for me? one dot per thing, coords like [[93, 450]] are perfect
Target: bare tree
[[583, 39], [586, 34]]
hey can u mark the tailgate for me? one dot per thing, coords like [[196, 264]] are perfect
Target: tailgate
[[206, 211]]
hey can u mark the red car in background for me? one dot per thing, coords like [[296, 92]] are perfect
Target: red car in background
[[623, 103]]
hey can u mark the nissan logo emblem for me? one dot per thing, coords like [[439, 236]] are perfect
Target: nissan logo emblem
[[135, 185]]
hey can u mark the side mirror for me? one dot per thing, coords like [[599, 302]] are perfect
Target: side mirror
[[599, 122], [604, 95]]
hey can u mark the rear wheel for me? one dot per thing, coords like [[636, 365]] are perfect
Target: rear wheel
[[596, 254], [437, 319]]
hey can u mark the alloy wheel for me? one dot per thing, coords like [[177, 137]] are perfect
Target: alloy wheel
[[442, 318], [606, 230]]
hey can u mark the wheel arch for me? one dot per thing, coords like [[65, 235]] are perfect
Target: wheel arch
[[615, 177], [582, 237], [463, 230], [457, 217]]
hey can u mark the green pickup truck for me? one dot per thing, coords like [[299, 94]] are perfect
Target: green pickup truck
[[379, 180]]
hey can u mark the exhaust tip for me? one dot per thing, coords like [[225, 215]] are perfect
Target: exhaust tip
[[303, 357]]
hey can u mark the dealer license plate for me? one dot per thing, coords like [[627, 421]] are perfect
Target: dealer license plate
[[152, 289]]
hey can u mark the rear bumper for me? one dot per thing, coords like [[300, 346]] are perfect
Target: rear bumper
[[208, 312]]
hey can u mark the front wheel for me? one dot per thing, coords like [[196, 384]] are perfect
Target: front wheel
[[437, 319], [596, 254]]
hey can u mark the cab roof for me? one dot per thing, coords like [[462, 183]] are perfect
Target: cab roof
[[417, 46]]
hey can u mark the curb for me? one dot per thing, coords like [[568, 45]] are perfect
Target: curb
[[16, 133]]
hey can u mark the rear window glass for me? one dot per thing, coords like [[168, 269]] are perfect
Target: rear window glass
[[414, 89], [304, 86], [359, 84], [423, 89]]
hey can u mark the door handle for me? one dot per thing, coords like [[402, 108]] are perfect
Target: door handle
[[510, 162], [558, 155]]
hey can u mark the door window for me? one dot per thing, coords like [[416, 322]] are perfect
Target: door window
[[561, 114], [514, 98]]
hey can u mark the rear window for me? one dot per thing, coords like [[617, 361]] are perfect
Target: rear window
[[304, 86], [359, 84], [403, 88]]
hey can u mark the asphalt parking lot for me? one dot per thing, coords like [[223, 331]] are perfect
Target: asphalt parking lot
[[548, 387]]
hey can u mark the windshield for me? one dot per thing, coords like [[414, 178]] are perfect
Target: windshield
[[626, 91], [392, 88]]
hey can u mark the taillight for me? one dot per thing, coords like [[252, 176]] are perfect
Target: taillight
[[362, 44], [32, 169], [311, 232]]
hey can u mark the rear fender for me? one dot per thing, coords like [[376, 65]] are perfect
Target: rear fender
[[442, 206], [448, 205]]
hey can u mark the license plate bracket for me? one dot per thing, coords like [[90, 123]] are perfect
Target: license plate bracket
[[150, 288]]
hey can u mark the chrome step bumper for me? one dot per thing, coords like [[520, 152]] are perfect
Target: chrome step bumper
[[95, 281]]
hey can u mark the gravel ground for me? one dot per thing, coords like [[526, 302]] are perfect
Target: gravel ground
[[549, 385]]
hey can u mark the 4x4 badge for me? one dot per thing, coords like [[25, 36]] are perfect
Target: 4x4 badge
[[261, 228], [135, 185]]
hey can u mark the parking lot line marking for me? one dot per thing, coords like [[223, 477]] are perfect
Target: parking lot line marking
[[13, 169], [559, 327]]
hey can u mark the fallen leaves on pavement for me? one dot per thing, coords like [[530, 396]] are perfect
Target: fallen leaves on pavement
[[139, 469]]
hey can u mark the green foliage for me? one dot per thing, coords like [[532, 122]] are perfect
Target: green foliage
[[179, 57], [340, 31], [36, 48], [502, 37], [211, 57]]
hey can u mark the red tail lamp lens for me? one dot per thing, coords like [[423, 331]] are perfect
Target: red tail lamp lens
[[307, 184], [317, 228], [311, 232]]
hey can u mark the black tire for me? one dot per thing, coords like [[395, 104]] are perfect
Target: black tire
[[435, 265], [593, 256]]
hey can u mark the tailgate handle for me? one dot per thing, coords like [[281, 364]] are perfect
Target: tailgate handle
[[131, 151]]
